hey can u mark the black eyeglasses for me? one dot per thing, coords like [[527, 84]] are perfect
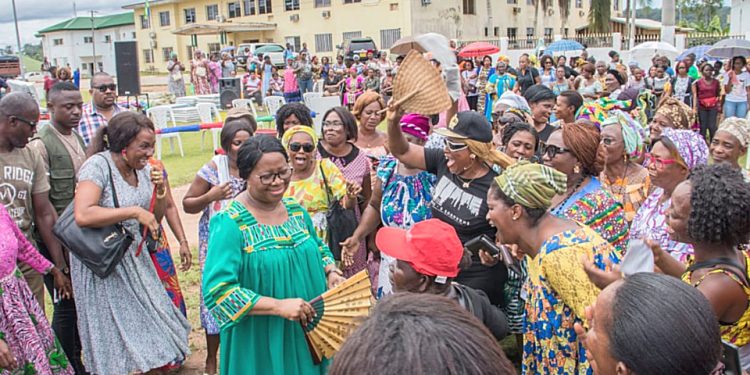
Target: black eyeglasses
[[268, 179], [306, 147], [25, 121], [552, 150], [104, 88]]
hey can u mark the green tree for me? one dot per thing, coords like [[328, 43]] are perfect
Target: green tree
[[599, 16], [33, 50]]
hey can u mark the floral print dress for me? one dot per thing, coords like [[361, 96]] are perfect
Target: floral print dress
[[406, 201]]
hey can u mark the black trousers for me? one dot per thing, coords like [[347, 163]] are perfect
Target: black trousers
[[65, 322], [707, 119]]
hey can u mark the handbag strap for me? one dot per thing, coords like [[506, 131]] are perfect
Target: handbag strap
[[325, 183], [111, 182], [151, 206]]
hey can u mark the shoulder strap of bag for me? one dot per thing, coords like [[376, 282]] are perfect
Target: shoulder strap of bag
[[734, 267], [111, 182], [325, 183]]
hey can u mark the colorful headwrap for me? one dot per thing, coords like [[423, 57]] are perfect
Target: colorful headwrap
[[597, 111], [416, 125], [738, 127], [680, 113], [646, 105], [691, 147], [632, 132], [299, 129], [531, 185], [515, 101]]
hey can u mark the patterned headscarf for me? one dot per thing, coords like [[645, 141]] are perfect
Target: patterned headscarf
[[416, 125], [299, 129], [691, 147], [597, 111], [632, 133], [738, 127], [531, 185], [680, 113]]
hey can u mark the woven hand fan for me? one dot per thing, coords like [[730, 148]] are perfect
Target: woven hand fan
[[419, 88], [339, 311]]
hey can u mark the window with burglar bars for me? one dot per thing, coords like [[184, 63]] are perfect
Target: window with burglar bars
[[264, 7], [190, 15], [166, 53], [214, 48], [148, 56], [294, 41], [164, 19], [233, 10], [322, 3], [249, 7], [388, 37], [469, 7], [291, 5], [323, 42], [212, 12], [145, 24], [351, 35]]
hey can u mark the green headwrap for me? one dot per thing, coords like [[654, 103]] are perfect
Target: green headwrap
[[632, 133], [531, 185]]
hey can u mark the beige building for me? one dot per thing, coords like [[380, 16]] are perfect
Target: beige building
[[182, 25]]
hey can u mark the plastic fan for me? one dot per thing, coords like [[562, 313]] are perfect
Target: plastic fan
[[419, 87], [339, 311]]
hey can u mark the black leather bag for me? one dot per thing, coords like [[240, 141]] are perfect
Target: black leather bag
[[99, 249], [341, 222]]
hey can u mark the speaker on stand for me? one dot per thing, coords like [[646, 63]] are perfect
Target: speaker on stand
[[229, 89], [126, 69]]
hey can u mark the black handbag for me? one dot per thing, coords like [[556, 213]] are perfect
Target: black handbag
[[341, 222], [99, 249]]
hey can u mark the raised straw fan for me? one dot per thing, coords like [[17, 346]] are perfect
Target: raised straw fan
[[419, 88], [339, 311]]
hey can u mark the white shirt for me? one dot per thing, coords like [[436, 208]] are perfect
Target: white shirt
[[739, 87]]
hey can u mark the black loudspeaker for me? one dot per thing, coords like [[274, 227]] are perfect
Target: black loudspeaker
[[229, 89], [126, 65]]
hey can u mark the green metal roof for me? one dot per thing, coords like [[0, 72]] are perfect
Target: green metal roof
[[84, 23]]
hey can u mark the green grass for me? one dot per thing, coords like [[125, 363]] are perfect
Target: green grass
[[30, 65]]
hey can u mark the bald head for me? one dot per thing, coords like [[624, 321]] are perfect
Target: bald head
[[18, 103]]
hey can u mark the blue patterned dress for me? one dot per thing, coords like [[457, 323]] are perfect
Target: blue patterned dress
[[557, 292], [406, 201]]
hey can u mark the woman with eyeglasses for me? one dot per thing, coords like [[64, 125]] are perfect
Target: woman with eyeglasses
[[572, 150], [464, 174], [730, 143], [264, 262], [215, 184], [337, 145], [315, 184], [547, 71], [672, 158], [558, 290], [621, 144]]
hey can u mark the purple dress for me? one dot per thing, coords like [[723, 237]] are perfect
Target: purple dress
[[23, 326]]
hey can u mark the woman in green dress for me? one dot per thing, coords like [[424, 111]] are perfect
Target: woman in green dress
[[264, 262]]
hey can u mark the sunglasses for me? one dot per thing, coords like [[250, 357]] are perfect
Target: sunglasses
[[25, 121], [659, 163], [551, 150], [306, 147], [453, 146], [268, 179], [104, 88]]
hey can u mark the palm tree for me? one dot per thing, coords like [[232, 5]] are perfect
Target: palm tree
[[599, 16]]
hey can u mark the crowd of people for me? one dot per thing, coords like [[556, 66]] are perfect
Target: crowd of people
[[593, 213]]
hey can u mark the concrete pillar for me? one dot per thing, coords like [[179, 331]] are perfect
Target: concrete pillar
[[504, 44], [668, 21], [680, 41], [616, 41]]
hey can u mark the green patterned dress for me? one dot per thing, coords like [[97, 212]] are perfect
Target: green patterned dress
[[247, 260]]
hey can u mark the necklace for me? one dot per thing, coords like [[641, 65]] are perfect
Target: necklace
[[575, 188], [466, 183]]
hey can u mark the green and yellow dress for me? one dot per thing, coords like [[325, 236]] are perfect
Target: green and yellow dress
[[247, 260]]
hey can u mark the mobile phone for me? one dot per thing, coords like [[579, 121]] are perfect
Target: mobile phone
[[482, 243], [731, 359]]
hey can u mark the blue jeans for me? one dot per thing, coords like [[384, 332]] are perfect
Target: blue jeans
[[305, 85], [735, 109]]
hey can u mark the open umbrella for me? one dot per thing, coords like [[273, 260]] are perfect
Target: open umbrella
[[563, 45], [698, 51], [644, 52], [728, 48], [477, 49], [406, 44]]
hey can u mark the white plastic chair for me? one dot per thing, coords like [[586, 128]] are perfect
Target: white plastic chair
[[247, 103], [209, 113], [320, 105], [308, 96], [163, 118], [273, 103], [318, 86]]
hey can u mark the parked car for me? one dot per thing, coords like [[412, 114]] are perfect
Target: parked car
[[10, 66], [274, 50], [358, 46], [34, 76]]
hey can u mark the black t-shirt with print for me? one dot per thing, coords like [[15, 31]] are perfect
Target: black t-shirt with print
[[466, 210]]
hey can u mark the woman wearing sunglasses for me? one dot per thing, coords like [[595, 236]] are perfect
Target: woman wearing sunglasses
[[572, 150], [464, 174], [627, 181], [672, 158], [337, 145], [309, 177]]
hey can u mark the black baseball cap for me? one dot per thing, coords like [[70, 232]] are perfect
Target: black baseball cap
[[468, 125]]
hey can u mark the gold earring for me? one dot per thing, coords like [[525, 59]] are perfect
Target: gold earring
[[472, 156], [576, 169]]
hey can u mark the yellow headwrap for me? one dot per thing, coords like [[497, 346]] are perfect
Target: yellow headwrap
[[531, 185], [299, 129]]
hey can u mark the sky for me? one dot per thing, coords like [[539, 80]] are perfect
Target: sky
[[34, 15]]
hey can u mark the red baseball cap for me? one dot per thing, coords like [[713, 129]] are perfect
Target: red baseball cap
[[431, 247]]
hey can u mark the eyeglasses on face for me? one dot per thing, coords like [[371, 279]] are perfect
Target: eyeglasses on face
[[268, 179], [25, 121], [103, 88], [306, 147], [658, 162], [551, 150], [455, 146]]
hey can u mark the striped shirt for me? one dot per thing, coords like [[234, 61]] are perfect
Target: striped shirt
[[91, 121]]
